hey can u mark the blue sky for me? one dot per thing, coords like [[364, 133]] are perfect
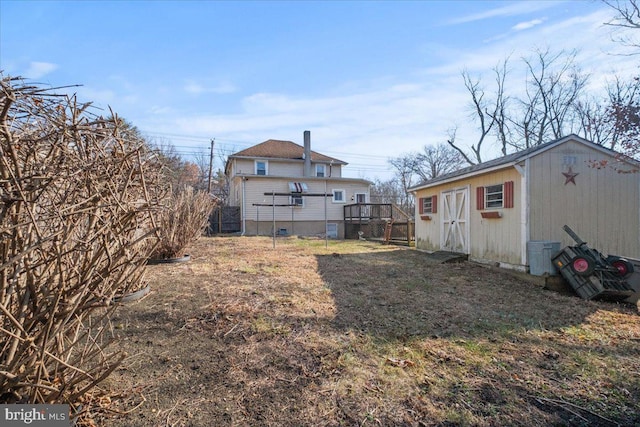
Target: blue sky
[[370, 80]]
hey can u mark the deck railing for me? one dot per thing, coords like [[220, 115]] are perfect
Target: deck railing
[[368, 220]]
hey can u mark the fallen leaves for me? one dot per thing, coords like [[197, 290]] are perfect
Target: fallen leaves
[[401, 363]]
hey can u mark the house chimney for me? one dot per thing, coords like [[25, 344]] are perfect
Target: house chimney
[[307, 153]]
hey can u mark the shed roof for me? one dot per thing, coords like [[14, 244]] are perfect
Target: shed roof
[[510, 160], [277, 149]]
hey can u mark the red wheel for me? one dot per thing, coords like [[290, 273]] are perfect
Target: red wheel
[[624, 267], [582, 265]]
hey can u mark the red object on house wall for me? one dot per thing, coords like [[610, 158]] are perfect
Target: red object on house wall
[[480, 198], [508, 194]]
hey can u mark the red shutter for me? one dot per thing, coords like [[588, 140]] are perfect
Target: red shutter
[[480, 198], [508, 194], [434, 204], [420, 205]]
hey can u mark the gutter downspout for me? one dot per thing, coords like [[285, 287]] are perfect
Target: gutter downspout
[[524, 211], [244, 211], [326, 234]]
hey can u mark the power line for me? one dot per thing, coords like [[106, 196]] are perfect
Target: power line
[[206, 140]]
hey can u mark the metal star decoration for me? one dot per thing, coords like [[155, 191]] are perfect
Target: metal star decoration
[[570, 176]]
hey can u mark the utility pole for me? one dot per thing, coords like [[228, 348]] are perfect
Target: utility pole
[[210, 166]]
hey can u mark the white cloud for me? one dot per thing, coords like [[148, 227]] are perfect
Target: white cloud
[[195, 88], [99, 97], [370, 125], [38, 70], [369, 121], [158, 110], [526, 25], [512, 9]]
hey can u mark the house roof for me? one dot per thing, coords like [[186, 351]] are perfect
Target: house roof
[[509, 160], [276, 149]]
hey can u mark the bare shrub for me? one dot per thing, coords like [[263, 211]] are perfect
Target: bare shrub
[[182, 221], [76, 205]]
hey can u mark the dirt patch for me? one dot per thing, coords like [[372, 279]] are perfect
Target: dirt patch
[[364, 334]]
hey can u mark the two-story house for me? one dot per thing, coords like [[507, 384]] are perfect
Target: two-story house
[[290, 187]]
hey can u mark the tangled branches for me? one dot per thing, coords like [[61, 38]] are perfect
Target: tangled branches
[[182, 221], [77, 202]]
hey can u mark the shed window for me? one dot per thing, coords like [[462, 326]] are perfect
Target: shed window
[[495, 196], [428, 205]]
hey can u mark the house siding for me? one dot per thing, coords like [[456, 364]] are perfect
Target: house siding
[[306, 220], [602, 207], [293, 168], [313, 208]]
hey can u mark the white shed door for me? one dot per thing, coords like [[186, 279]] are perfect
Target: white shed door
[[454, 231]]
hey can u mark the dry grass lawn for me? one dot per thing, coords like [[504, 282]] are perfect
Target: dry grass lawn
[[361, 334]]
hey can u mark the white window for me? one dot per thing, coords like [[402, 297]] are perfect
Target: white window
[[493, 196], [361, 197], [338, 196], [262, 167], [296, 201], [320, 171]]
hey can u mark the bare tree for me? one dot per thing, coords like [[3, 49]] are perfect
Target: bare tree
[[547, 110], [614, 120], [451, 140], [500, 115], [594, 123], [437, 160], [627, 17], [202, 159], [405, 167], [554, 84], [624, 113], [389, 191], [488, 112]]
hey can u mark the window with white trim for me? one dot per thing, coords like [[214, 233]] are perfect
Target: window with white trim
[[321, 171], [360, 197], [261, 167], [296, 201], [338, 196], [493, 196]]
